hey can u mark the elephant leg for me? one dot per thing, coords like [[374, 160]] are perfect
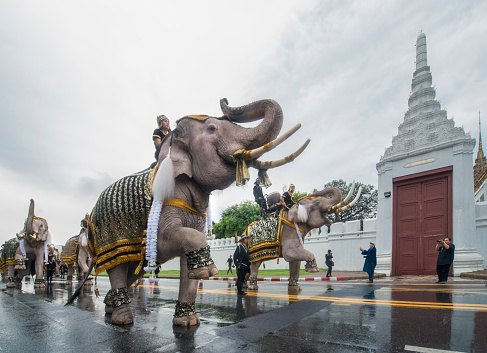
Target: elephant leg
[[294, 267], [196, 251], [12, 281], [185, 314], [117, 300], [19, 260], [69, 278], [39, 264], [254, 271], [296, 252]]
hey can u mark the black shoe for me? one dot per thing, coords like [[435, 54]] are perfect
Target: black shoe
[[241, 293]]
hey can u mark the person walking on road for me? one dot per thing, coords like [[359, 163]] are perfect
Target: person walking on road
[[230, 263], [370, 256], [242, 262], [445, 259], [329, 262]]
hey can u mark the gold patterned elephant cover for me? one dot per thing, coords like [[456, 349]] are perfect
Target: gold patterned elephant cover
[[69, 251], [118, 221], [8, 253], [264, 239]]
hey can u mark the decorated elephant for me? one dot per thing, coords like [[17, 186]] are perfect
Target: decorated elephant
[[75, 252], [283, 236], [28, 248], [153, 216]]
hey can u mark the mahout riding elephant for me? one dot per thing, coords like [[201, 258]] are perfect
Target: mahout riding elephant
[[159, 213], [75, 253], [28, 248], [283, 236]]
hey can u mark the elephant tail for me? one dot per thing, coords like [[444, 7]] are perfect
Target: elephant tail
[[78, 291]]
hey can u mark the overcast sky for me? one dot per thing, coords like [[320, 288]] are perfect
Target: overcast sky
[[81, 85]]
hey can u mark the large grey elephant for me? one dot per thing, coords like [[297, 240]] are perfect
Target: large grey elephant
[[275, 237], [30, 250], [75, 253], [201, 155]]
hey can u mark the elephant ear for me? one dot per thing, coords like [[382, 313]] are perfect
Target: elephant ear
[[181, 159]]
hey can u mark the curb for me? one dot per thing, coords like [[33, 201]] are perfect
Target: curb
[[278, 279]]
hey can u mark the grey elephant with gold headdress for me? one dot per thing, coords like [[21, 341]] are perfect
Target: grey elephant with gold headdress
[[29, 248], [75, 254], [283, 236], [153, 216]]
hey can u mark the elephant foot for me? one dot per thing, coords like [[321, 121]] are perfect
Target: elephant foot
[[294, 289], [252, 287], [39, 286], [311, 266], [203, 272], [89, 282], [312, 269], [11, 285], [69, 283], [190, 320], [109, 309], [19, 267], [122, 315]]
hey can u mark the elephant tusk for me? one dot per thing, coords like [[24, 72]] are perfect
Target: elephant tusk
[[345, 200], [253, 154], [341, 209], [274, 164]]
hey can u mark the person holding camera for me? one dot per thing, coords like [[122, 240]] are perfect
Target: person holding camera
[[445, 259], [370, 256], [329, 262]]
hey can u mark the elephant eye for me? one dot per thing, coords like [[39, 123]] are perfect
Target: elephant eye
[[212, 128]]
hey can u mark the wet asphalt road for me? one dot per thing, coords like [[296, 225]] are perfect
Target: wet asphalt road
[[349, 316]]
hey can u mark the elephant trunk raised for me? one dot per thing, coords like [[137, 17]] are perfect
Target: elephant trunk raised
[[267, 109], [30, 219]]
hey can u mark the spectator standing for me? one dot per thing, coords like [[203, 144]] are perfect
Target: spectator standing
[[329, 262], [370, 261], [446, 253], [230, 263]]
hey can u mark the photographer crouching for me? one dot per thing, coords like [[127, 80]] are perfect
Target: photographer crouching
[[445, 259]]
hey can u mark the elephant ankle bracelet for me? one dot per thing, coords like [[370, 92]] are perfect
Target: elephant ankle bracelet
[[199, 258]]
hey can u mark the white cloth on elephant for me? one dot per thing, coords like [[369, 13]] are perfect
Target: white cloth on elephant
[[162, 188], [46, 254], [300, 236], [22, 248], [209, 223]]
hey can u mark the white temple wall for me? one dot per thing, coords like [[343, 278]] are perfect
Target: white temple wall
[[344, 240]]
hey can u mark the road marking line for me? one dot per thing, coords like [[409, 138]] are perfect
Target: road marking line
[[427, 350]]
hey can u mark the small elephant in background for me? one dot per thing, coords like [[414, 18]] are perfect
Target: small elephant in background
[[307, 214], [28, 249], [75, 253]]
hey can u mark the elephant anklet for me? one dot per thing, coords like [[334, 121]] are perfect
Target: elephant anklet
[[293, 281], [69, 278], [253, 280], [38, 281], [199, 258], [310, 264], [184, 309], [13, 280], [117, 297], [19, 264]]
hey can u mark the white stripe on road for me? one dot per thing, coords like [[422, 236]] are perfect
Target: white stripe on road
[[427, 350]]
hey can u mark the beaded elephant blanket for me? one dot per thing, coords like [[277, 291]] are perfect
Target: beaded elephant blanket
[[264, 239], [8, 253], [118, 222], [69, 251]]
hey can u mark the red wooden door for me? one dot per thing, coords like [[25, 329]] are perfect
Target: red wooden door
[[422, 215]]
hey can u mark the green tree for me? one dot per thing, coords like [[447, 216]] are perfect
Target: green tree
[[366, 206], [236, 218], [298, 194]]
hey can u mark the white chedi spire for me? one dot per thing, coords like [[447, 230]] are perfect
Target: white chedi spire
[[421, 53], [426, 125]]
